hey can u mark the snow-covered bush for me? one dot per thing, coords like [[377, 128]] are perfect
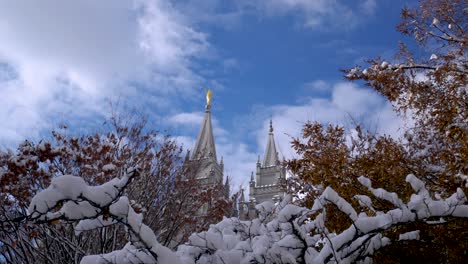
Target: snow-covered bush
[[284, 233], [298, 235], [70, 199]]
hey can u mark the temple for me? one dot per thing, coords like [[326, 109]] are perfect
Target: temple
[[267, 185], [204, 152], [208, 170]]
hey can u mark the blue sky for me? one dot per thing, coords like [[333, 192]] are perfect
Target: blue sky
[[64, 60]]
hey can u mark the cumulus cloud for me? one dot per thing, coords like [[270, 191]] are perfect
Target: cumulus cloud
[[319, 87], [193, 118], [66, 57], [348, 103]]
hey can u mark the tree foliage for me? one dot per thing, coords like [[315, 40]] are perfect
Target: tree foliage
[[430, 89], [284, 233], [166, 190]]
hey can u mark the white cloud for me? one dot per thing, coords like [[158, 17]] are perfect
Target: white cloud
[[186, 142], [317, 86], [230, 64], [193, 118], [212, 12], [169, 43], [347, 101], [239, 162], [323, 14], [368, 6], [66, 57], [191, 122], [314, 14]]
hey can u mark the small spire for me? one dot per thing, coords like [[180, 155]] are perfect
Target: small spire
[[227, 188], [271, 156], [242, 197], [251, 177], [258, 159], [222, 161], [205, 145]]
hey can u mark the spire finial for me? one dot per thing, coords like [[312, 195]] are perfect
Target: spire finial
[[271, 156], [209, 94]]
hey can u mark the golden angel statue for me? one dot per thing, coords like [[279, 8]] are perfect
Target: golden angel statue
[[208, 97]]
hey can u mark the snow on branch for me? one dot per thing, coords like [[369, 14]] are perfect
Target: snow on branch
[[70, 199], [285, 233], [289, 238], [76, 199], [385, 67]]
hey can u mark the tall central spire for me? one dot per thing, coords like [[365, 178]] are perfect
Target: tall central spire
[[205, 145], [271, 156]]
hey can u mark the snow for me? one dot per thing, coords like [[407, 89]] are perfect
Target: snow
[[76, 197], [365, 201], [412, 235], [289, 212], [62, 188], [41, 146], [384, 65], [109, 167], [283, 233], [129, 254], [381, 193], [353, 72], [333, 197]]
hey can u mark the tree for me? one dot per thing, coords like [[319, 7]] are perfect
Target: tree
[[166, 190], [285, 233], [430, 89]]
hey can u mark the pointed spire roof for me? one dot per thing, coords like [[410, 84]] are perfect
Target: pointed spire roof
[[271, 156], [227, 188], [205, 145], [242, 197]]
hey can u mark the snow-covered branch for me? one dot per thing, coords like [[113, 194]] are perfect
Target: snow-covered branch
[[294, 236], [283, 233], [75, 200], [70, 199]]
